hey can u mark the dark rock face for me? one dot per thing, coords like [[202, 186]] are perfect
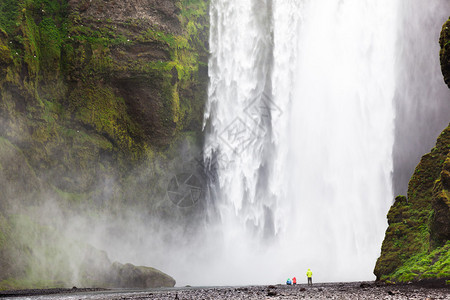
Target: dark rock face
[[128, 75], [160, 14], [444, 41], [152, 61]]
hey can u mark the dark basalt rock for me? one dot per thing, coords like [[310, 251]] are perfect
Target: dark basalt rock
[[444, 41], [157, 13], [365, 285]]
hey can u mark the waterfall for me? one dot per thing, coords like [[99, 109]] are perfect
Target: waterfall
[[300, 122]]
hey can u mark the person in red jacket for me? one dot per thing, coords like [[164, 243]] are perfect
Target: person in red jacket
[[294, 280]]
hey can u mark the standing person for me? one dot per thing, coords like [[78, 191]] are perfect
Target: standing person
[[309, 275], [294, 281]]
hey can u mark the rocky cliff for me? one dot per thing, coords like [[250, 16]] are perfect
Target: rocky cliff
[[444, 42], [101, 102], [416, 245]]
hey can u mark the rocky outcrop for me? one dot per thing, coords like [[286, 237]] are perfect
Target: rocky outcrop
[[130, 276], [163, 15], [416, 241], [96, 269], [444, 41], [416, 245]]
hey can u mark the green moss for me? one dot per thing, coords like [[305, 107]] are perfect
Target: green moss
[[192, 9], [434, 265], [50, 47], [5, 55], [98, 107], [151, 35], [444, 53], [414, 247], [9, 11]]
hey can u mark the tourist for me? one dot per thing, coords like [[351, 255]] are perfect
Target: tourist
[[309, 275]]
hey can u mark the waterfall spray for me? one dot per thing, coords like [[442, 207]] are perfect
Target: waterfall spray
[[300, 118]]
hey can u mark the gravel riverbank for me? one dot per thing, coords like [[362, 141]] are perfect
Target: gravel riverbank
[[355, 290]]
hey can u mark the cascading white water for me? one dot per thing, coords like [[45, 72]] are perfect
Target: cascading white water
[[300, 119]]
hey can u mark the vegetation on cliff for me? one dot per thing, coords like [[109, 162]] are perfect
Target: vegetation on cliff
[[416, 245], [444, 42], [95, 100]]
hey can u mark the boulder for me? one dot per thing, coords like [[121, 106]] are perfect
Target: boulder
[[98, 271], [130, 276]]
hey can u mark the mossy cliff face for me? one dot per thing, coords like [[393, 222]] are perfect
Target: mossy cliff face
[[416, 246], [444, 41], [116, 79], [96, 100]]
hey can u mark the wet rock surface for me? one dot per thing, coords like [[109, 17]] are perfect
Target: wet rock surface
[[160, 14], [355, 290]]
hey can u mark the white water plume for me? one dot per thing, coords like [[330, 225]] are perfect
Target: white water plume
[[300, 120]]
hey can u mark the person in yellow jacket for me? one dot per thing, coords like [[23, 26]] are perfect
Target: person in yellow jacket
[[309, 275]]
